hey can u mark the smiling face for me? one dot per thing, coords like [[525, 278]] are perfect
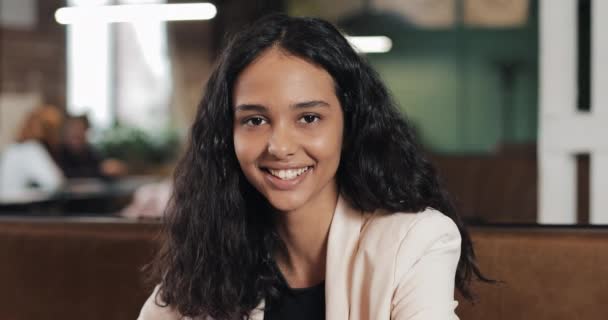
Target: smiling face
[[288, 127]]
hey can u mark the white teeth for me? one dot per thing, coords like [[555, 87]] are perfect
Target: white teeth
[[288, 174]]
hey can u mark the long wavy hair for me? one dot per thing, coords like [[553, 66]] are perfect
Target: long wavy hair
[[219, 237]]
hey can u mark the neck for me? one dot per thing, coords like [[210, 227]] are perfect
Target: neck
[[304, 233]]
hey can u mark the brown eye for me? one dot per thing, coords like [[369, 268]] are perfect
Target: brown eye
[[309, 118], [254, 121]]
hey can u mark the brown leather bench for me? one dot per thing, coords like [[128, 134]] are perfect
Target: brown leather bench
[[90, 269], [548, 273], [73, 269]]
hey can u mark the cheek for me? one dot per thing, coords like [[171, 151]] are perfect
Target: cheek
[[240, 149], [328, 146], [247, 148]]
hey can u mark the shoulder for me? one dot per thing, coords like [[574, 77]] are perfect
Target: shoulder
[[404, 238], [153, 309], [26, 145], [29, 145], [24, 151], [403, 227], [27, 148]]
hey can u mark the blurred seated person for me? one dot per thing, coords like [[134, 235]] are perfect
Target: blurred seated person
[[149, 201], [28, 165], [78, 159]]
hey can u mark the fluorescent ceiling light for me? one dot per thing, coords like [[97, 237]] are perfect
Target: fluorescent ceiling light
[[136, 13], [371, 44]]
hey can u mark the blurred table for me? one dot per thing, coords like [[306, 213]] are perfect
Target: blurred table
[[89, 196]]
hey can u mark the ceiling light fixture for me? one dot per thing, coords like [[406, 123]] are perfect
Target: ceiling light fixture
[[136, 13], [370, 44]]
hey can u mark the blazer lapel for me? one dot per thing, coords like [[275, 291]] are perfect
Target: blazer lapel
[[342, 245]]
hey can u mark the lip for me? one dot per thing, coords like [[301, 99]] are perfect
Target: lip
[[285, 185]]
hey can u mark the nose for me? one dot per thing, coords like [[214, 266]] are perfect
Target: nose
[[282, 143]]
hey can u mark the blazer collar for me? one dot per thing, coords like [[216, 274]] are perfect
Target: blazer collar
[[342, 244]]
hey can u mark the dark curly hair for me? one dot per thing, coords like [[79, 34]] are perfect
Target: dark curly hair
[[219, 235]]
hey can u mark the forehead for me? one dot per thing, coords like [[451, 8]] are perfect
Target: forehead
[[277, 76]]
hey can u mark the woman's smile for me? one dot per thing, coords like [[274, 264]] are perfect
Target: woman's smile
[[287, 179], [287, 174]]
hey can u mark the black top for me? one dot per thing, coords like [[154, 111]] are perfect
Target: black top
[[297, 303]]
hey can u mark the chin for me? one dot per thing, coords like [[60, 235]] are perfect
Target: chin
[[284, 203]]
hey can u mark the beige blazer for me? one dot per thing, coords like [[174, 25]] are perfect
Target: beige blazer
[[380, 266]]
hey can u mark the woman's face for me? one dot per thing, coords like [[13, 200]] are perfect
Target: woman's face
[[288, 127]]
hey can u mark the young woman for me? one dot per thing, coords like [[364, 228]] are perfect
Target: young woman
[[303, 194]]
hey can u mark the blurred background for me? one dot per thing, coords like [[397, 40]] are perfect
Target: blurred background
[[464, 72], [507, 98]]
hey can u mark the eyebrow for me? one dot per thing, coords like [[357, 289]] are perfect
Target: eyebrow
[[299, 105], [250, 107], [310, 104]]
